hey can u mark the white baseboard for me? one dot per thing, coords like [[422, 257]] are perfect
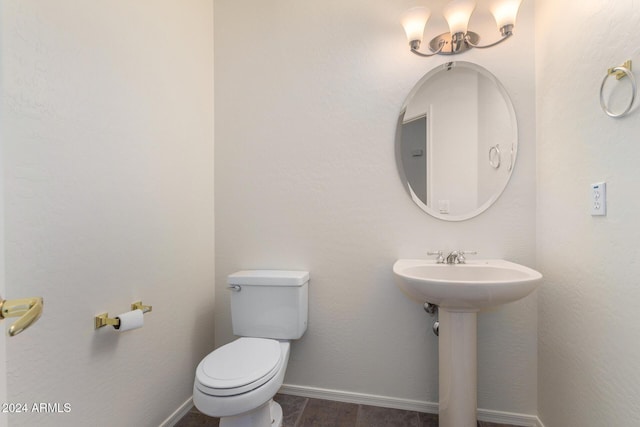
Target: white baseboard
[[360, 398], [511, 418], [406, 404], [178, 413]]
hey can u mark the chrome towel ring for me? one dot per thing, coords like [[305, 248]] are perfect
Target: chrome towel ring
[[619, 72], [494, 156]]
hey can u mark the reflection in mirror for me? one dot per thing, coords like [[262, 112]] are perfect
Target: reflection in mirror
[[456, 141]]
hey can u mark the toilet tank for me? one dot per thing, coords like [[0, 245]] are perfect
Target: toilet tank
[[269, 303]]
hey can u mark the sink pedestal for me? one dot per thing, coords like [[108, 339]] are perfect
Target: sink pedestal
[[457, 351], [460, 291]]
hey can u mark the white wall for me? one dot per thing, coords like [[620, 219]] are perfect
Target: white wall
[[589, 317], [3, 339], [108, 162], [307, 98]]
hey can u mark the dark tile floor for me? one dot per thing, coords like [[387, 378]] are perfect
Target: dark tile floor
[[307, 412]]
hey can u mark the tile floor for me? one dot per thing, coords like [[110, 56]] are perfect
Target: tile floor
[[307, 412]]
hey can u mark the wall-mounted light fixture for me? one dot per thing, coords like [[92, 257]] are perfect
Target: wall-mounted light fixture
[[457, 13]]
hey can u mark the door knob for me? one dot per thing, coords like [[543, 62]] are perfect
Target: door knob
[[27, 309]]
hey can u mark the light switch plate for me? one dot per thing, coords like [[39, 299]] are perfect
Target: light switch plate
[[443, 206], [599, 199]]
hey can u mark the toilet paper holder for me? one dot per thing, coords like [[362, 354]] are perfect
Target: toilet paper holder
[[104, 319]]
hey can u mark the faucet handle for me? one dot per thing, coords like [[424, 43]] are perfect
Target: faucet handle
[[461, 256], [440, 256]]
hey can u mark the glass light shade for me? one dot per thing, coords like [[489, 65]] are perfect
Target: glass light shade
[[414, 21], [457, 13], [504, 11]]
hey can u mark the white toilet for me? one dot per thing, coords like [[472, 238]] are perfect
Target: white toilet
[[237, 381]]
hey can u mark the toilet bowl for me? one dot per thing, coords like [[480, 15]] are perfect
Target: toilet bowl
[[237, 381]]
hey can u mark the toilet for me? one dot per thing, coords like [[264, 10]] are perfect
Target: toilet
[[237, 381]]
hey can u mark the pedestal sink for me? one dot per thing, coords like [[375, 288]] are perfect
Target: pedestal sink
[[460, 291]]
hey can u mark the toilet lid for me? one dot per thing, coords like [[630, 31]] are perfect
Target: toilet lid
[[239, 366]]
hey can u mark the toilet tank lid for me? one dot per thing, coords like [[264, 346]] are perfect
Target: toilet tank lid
[[268, 278]]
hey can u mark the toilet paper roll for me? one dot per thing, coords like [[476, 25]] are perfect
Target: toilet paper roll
[[130, 320]]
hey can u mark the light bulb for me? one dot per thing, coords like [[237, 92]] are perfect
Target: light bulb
[[414, 21], [457, 13], [504, 11]]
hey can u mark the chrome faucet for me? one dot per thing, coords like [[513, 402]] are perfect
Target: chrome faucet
[[458, 257], [454, 257]]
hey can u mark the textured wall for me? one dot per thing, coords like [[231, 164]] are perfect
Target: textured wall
[[4, 419], [3, 339], [307, 98], [589, 318], [108, 161]]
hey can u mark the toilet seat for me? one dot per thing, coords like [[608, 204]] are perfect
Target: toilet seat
[[238, 367]]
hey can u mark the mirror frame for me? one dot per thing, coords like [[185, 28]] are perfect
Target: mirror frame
[[514, 140]]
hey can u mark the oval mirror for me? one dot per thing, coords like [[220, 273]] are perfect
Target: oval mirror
[[456, 141]]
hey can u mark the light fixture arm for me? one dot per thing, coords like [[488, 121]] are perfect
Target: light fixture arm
[[506, 31], [415, 45]]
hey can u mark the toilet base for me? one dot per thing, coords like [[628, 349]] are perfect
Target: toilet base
[[266, 415], [276, 414]]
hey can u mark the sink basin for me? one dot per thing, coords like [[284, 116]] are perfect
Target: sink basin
[[473, 286], [460, 291]]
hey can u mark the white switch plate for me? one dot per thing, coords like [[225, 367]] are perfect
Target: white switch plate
[[599, 199]]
